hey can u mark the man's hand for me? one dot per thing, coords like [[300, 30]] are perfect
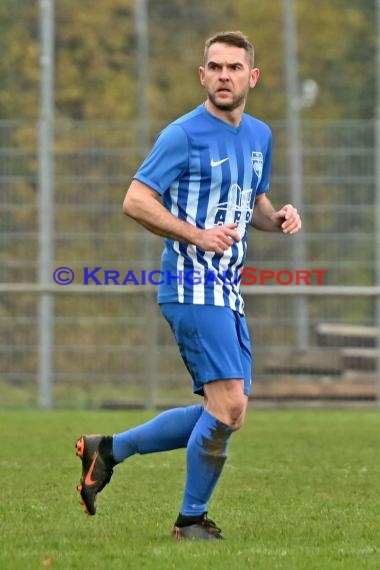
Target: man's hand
[[291, 223], [218, 239], [266, 218]]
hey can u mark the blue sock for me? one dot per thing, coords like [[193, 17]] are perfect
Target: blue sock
[[169, 430], [206, 455]]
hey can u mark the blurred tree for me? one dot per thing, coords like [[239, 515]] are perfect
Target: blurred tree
[[19, 61], [337, 49], [96, 60]]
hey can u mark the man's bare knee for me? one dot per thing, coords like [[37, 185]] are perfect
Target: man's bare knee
[[237, 413], [226, 401]]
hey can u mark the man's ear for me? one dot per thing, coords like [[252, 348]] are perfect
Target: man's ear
[[201, 73], [254, 77]]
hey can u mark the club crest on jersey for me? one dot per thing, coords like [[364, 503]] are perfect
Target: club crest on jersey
[[257, 163], [237, 209]]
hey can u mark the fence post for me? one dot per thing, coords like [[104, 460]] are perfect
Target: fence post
[[301, 317], [150, 358], [46, 205], [377, 199]]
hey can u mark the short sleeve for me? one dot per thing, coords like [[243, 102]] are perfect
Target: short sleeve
[[166, 161]]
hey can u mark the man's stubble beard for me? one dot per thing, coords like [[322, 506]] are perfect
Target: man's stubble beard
[[228, 106]]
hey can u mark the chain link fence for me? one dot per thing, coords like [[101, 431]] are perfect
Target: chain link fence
[[135, 62], [113, 347]]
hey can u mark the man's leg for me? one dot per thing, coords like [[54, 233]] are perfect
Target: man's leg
[[99, 454], [206, 456], [169, 430], [216, 349]]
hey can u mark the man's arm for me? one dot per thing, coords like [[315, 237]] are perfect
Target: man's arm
[[142, 203], [266, 218]]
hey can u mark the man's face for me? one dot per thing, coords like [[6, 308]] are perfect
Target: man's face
[[227, 76]]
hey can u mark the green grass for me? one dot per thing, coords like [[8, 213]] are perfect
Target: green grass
[[300, 491]]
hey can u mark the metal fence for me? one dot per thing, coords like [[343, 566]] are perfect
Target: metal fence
[[110, 344]]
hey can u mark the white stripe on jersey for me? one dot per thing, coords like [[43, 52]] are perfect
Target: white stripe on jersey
[[218, 288], [174, 211], [180, 269]]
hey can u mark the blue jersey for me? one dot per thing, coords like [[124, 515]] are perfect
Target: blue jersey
[[208, 173]]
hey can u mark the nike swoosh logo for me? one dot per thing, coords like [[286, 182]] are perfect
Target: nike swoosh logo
[[89, 481], [217, 162]]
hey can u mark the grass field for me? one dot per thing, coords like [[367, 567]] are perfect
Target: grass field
[[300, 491]]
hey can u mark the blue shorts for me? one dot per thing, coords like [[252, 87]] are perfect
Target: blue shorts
[[214, 343]]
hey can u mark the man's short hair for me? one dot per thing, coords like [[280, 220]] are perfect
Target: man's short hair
[[237, 39]]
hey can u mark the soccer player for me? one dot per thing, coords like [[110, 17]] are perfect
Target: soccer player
[[201, 186]]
